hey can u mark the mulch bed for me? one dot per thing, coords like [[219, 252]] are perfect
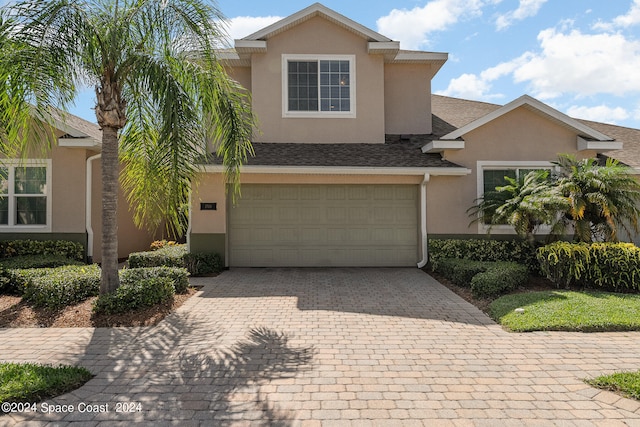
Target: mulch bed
[[15, 313]]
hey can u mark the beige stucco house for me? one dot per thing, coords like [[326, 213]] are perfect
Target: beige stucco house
[[56, 193], [356, 162]]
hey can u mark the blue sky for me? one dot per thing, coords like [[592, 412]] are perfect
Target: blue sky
[[579, 56]]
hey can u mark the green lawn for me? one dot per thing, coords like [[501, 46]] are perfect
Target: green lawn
[[626, 383], [28, 382], [568, 311]]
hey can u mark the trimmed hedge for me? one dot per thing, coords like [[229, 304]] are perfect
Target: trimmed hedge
[[13, 248], [485, 278], [610, 266], [37, 261], [135, 295], [460, 271], [498, 279], [177, 256], [55, 288], [179, 276], [518, 251]]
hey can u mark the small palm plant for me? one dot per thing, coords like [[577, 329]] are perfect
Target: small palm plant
[[601, 199], [524, 203]]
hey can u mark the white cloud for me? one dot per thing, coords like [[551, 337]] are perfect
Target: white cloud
[[599, 113], [567, 63], [582, 64], [472, 86], [527, 8], [242, 26], [632, 17], [468, 86], [412, 27]]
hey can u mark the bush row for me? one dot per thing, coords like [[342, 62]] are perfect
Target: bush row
[[611, 266], [13, 248], [518, 251], [485, 278], [197, 264], [55, 288], [135, 295]]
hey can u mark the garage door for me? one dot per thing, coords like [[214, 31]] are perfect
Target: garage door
[[324, 225]]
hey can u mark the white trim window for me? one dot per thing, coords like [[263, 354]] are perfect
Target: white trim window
[[25, 196], [491, 175], [318, 86]]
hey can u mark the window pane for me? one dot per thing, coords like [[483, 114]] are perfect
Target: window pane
[[4, 211], [303, 85], [495, 178], [4, 181], [334, 90], [31, 180], [31, 210]]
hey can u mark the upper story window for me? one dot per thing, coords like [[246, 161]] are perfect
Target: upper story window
[[25, 200], [318, 86]]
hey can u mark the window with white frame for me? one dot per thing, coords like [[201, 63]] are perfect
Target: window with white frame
[[493, 174], [318, 86], [25, 200]]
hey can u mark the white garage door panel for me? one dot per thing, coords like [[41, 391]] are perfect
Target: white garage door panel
[[324, 225]]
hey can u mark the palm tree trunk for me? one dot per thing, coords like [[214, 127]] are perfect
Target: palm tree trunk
[[110, 186]]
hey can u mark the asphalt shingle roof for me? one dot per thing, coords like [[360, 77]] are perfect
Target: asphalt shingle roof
[[395, 153], [455, 113], [399, 151]]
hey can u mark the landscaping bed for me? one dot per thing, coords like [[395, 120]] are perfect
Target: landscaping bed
[[16, 313]]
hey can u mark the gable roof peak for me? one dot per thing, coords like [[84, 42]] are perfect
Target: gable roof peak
[[538, 107], [316, 9]]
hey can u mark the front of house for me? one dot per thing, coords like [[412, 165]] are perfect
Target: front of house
[[356, 162], [352, 167]]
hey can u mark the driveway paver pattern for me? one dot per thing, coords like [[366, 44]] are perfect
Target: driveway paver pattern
[[329, 347]]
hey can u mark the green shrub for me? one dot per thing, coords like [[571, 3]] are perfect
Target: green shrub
[[177, 256], [37, 261], [202, 263], [611, 266], [179, 276], [460, 271], [168, 256], [58, 287], [518, 251], [4, 281], [12, 248], [135, 295], [499, 278]]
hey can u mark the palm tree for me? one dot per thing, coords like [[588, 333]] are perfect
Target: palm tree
[[524, 203], [161, 96], [601, 199]]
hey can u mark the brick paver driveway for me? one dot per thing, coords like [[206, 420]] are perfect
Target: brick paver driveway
[[331, 347]]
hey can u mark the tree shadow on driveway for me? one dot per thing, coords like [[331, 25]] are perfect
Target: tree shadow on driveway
[[183, 370]]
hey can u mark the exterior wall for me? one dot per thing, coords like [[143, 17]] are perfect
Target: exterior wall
[[318, 36], [68, 180], [520, 135], [407, 99], [67, 194]]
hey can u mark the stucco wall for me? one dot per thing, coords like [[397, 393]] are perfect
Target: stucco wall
[[407, 98], [68, 180], [520, 135], [318, 36]]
